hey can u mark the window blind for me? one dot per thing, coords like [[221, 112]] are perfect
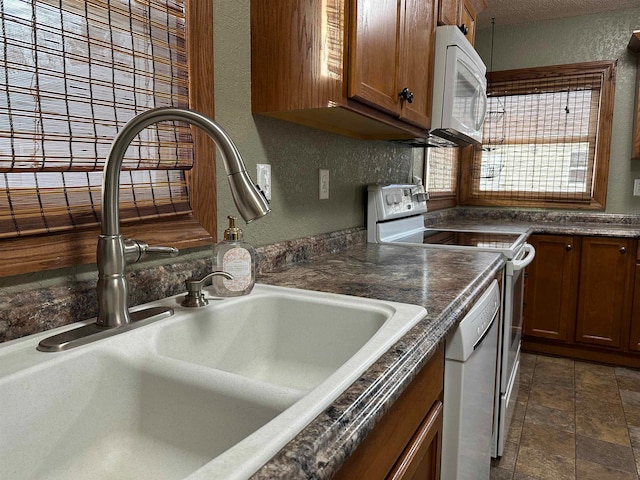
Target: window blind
[[74, 73], [442, 170], [544, 135]]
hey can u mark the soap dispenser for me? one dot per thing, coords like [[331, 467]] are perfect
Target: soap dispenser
[[234, 256]]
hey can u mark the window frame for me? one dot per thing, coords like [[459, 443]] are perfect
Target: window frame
[[469, 184], [50, 251]]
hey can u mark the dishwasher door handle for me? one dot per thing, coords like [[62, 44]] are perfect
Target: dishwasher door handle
[[478, 344]]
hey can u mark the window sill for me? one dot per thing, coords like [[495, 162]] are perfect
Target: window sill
[[23, 255]]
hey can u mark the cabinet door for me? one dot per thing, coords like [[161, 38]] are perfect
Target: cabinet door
[[421, 458], [634, 338], [416, 60], [468, 19], [374, 53], [449, 12], [606, 269], [387, 444], [551, 291]]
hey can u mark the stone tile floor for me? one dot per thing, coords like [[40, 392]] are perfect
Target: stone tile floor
[[573, 420]]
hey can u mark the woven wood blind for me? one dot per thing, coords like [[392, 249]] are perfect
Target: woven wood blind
[[540, 136], [442, 171], [74, 72]]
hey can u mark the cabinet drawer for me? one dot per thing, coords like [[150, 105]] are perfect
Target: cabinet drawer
[[421, 458], [386, 443]]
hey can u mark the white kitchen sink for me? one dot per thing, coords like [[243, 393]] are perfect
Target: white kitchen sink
[[283, 338], [208, 393]]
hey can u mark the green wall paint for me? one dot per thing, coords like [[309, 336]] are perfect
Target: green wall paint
[[604, 36], [294, 152]]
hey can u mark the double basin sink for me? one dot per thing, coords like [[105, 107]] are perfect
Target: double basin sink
[[208, 393]]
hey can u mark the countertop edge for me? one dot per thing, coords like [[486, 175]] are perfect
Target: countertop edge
[[318, 452]]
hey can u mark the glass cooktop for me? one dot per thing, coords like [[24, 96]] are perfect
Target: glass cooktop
[[490, 240]]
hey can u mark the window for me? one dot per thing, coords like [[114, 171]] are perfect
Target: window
[[546, 138], [442, 176], [74, 73]]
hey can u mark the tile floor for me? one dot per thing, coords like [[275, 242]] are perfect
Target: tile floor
[[573, 420]]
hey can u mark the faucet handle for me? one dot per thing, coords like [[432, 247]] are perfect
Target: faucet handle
[[194, 296], [136, 250], [170, 251]]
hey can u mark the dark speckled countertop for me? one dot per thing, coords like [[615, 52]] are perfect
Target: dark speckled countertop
[[568, 228], [543, 222], [446, 283]]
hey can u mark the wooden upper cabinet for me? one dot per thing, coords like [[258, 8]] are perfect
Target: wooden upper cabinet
[[375, 49], [340, 65], [604, 300], [391, 56], [416, 60], [634, 46], [551, 293], [461, 12], [449, 12], [468, 21]]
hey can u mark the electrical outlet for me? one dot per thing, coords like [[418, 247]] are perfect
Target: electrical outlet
[[264, 178], [636, 187], [323, 178]]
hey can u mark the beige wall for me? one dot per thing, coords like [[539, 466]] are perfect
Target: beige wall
[[294, 152], [604, 36]]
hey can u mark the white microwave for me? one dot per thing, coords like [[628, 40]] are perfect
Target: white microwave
[[459, 89]]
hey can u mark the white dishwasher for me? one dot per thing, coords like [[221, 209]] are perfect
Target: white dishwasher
[[469, 390]]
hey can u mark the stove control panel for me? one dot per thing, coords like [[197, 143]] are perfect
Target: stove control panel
[[386, 202]]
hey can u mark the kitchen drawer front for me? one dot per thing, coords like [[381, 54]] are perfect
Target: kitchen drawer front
[[387, 442], [421, 458]]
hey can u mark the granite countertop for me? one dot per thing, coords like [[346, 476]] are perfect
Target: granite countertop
[[559, 223], [446, 283]]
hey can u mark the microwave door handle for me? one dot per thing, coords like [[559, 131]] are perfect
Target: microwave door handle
[[480, 97], [479, 89], [483, 96]]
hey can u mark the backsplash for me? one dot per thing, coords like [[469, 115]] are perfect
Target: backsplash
[[33, 311]]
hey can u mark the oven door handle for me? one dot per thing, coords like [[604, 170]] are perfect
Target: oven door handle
[[524, 258]]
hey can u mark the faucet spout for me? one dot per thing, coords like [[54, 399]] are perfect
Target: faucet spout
[[249, 201], [114, 253]]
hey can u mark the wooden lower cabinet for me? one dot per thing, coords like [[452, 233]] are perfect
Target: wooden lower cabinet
[[421, 458], [634, 335], [407, 442], [604, 296], [549, 304], [579, 299]]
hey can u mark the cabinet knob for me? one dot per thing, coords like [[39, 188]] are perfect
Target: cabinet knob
[[406, 94], [464, 29], [623, 250], [568, 247]]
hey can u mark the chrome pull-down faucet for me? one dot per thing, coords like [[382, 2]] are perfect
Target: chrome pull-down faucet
[[114, 252]]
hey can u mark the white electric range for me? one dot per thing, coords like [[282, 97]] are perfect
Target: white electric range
[[395, 215]]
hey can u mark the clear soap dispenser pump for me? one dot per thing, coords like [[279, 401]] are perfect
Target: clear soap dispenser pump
[[236, 257]]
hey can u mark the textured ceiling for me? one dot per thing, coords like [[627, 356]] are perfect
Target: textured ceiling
[[510, 12]]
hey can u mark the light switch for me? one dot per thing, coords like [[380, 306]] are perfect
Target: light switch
[[323, 186], [264, 178]]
